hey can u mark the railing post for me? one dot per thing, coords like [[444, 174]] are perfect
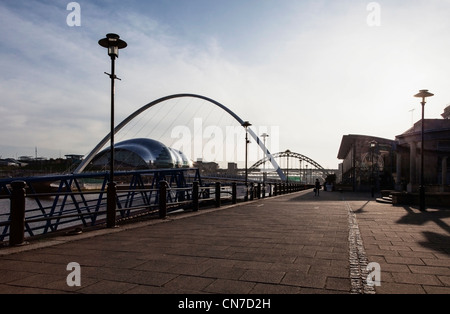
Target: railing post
[[246, 192], [258, 191], [275, 189], [17, 207], [111, 193], [252, 193], [270, 189], [263, 190], [217, 194], [234, 193], [162, 199], [195, 196]]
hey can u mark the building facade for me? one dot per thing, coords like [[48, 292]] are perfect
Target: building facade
[[368, 162], [436, 152], [396, 163]]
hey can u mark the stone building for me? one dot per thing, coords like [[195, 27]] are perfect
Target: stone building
[[397, 163], [368, 162], [436, 152]]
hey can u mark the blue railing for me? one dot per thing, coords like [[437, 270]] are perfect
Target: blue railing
[[57, 201], [39, 205]]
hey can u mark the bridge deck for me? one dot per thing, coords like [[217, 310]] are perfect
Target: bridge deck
[[289, 244]]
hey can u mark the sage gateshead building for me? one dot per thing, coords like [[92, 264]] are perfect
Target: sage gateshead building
[[141, 153]]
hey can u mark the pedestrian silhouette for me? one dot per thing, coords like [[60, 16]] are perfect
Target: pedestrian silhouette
[[317, 188]]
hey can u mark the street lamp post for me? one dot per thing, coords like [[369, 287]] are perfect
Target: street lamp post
[[422, 94], [113, 43], [287, 165], [264, 136], [246, 124], [373, 144]]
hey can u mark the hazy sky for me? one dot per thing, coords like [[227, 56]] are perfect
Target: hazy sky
[[315, 69]]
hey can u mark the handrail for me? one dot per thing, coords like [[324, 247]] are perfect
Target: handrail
[[76, 207]]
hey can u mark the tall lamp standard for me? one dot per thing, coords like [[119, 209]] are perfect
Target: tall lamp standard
[[287, 164], [113, 43], [246, 124], [422, 94], [373, 144], [264, 136]]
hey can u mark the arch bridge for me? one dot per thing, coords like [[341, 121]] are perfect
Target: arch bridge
[[316, 170], [105, 140]]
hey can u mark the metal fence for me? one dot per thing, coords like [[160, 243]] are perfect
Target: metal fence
[[40, 205]]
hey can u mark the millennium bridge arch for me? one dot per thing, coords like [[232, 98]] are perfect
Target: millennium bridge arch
[[315, 167], [107, 138]]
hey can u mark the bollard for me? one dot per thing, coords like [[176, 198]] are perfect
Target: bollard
[[195, 196], [264, 190], [162, 199], [252, 193], [17, 207], [270, 189], [275, 189], [217, 194], [258, 191], [234, 193], [246, 192], [111, 205]]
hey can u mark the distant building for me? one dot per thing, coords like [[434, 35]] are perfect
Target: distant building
[[74, 157], [207, 167]]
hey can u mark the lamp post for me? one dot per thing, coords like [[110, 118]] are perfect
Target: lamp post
[[246, 124], [113, 43], [373, 144], [264, 136], [287, 164], [422, 94], [306, 174]]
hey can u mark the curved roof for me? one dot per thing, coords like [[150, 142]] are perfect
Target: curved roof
[[144, 152]]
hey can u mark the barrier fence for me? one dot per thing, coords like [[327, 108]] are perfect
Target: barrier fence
[[71, 206]]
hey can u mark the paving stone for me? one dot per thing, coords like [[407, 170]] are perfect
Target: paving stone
[[287, 244]]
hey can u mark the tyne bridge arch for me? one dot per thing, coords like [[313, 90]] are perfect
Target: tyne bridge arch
[[295, 166]]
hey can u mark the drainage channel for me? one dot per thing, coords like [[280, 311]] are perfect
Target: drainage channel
[[357, 257]]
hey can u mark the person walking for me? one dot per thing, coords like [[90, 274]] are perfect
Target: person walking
[[317, 188]]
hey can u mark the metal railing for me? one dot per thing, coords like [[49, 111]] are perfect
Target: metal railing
[[31, 213]]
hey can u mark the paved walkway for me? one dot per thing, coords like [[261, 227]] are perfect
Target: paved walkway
[[290, 244]]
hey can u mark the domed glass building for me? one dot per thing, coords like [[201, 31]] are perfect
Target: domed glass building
[[142, 153]]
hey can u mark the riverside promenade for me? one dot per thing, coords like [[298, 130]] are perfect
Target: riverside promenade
[[288, 244]]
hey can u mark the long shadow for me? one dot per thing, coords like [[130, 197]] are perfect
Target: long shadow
[[436, 241]]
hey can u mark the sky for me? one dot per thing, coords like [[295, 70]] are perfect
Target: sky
[[309, 71]]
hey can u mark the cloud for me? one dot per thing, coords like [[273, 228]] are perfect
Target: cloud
[[314, 68]]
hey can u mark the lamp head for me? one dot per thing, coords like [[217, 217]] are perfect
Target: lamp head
[[246, 124], [423, 94], [113, 43]]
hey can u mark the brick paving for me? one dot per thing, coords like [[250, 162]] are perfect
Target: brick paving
[[290, 244]]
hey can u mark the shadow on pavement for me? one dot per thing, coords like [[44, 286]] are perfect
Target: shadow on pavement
[[437, 241]]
